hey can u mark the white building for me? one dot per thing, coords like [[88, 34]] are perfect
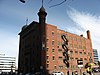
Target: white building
[[7, 63], [95, 52]]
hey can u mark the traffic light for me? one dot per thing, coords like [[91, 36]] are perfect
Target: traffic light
[[65, 53]]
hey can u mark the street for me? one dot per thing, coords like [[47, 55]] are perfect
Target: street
[[97, 73]]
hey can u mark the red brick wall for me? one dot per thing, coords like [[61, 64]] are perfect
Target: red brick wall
[[77, 43]]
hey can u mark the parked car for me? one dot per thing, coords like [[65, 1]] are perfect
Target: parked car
[[96, 69]]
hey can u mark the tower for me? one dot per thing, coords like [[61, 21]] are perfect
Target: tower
[[42, 15], [42, 27]]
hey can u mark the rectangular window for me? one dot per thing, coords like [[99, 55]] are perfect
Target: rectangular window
[[71, 58], [60, 67], [53, 42], [80, 53], [47, 40], [59, 50], [71, 52], [80, 47], [70, 45], [55, 67], [81, 58], [52, 33], [47, 61], [47, 49], [76, 67], [85, 59], [60, 58], [76, 58], [58, 43], [76, 52], [84, 47], [59, 35], [84, 53], [47, 65], [53, 50], [72, 66], [47, 57], [53, 58]]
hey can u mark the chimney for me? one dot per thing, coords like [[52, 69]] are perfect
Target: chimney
[[88, 34]]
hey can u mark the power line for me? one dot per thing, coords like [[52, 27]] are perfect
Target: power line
[[57, 4]]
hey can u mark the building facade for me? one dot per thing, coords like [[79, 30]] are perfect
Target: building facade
[[7, 63], [79, 48], [40, 48], [95, 52]]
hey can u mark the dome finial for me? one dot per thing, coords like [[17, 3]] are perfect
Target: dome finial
[[42, 2], [42, 8]]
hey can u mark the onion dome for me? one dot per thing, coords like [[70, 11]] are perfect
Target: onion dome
[[25, 26]]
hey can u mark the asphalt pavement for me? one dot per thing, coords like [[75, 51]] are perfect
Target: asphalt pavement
[[96, 73]]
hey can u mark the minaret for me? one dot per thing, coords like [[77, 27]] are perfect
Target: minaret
[[42, 25], [42, 18], [42, 28], [42, 15]]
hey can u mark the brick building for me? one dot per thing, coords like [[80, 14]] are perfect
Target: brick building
[[40, 48]]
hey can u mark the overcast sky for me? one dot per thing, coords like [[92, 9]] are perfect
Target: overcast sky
[[75, 16]]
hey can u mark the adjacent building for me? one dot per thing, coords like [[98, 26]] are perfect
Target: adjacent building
[[40, 48], [95, 52], [7, 64]]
